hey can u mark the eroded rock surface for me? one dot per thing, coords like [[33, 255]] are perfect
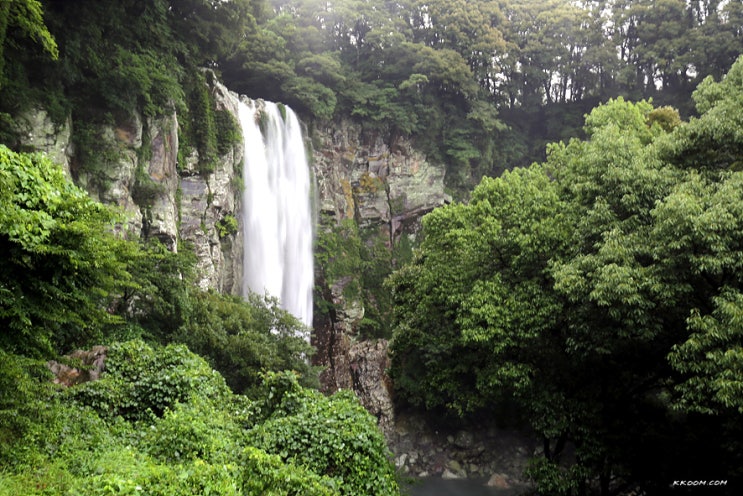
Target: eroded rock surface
[[91, 364]]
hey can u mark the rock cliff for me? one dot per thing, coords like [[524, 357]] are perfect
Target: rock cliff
[[383, 186], [160, 197]]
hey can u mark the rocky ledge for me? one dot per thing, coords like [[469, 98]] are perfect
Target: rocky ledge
[[498, 456], [421, 449]]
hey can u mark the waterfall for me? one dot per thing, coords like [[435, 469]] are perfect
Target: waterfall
[[277, 213]]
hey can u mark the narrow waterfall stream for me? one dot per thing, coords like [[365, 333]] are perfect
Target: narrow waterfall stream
[[277, 210]]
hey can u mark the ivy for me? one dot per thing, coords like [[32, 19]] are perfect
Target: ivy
[[63, 263], [142, 383], [202, 126]]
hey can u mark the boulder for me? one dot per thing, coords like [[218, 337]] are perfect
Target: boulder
[[91, 364], [499, 481]]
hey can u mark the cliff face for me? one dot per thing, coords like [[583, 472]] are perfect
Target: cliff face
[[377, 180], [383, 186], [161, 198]]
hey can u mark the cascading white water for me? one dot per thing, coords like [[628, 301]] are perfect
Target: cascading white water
[[278, 221]]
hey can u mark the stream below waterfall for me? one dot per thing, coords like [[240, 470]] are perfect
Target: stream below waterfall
[[436, 486]]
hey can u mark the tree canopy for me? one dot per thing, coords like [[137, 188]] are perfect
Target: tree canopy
[[598, 292], [456, 76]]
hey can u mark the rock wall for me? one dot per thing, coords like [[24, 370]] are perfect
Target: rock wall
[[384, 185], [375, 179], [179, 203], [37, 131], [208, 198]]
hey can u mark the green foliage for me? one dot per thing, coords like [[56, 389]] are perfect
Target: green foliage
[[27, 17], [242, 339], [136, 81], [198, 445], [202, 127], [23, 400], [124, 472], [626, 116], [142, 383], [359, 261], [145, 190], [97, 155], [332, 436], [227, 226], [63, 262], [227, 130], [195, 430], [713, 141], [338, 252], [310, 97], [711, 359], [271, 476], [479, 282], [159, 303], [599, 293]]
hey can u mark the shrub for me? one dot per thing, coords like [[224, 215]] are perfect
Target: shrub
[[332, 436], [193, 431], [141, 382], [241, 339], [227, 226], [269, 475]]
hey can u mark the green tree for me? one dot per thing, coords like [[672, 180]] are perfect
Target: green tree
[[545, 41], [25, 16], [332, 436], [462, 302], [242, 339], [64, 264], [599, 292]]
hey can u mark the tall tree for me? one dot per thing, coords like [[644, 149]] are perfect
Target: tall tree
[[599, 292], [63, 265]]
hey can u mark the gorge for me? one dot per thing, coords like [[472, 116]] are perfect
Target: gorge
[[378, 184], [571, 327]]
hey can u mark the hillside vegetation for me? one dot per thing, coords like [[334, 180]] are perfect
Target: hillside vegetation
[[160, 420], [594, 298], [597, 297]]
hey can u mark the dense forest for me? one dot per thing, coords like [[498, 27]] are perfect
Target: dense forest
[[592, 298], [597, 298], [483, 85]]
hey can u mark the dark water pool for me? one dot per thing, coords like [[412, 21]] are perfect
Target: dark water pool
[[434, 486]]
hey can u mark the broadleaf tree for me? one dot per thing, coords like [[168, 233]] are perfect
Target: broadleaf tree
[[599, 293]]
